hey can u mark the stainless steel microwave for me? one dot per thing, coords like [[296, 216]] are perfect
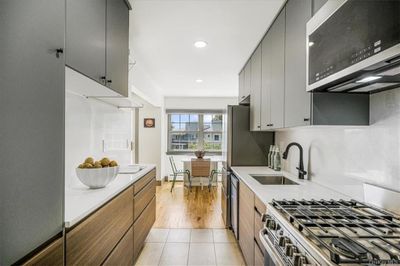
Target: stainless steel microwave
[[354, 46]]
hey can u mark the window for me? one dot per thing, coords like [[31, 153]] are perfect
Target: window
[[189, 132]]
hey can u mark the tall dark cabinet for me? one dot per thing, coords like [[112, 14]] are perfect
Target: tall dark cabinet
[[32, 100], [97, 41]]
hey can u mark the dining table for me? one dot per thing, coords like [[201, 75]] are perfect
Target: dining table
[[201, 181]]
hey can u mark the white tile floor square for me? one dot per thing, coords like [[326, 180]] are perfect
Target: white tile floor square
[[190, 247]]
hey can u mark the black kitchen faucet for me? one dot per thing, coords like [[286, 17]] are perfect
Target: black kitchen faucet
[[302, 173]]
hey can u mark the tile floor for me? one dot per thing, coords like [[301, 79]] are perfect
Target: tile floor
[[190, 247]]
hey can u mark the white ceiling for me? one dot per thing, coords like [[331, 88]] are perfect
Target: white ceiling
[[163, 33]]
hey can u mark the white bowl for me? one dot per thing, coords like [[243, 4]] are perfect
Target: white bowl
[[97, 177]]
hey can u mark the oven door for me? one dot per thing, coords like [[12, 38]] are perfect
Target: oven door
[[271, 257]]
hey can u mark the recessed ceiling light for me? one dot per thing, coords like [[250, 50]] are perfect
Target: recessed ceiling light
[[200, 44], [310, 44], [199, 80], [368, 79]]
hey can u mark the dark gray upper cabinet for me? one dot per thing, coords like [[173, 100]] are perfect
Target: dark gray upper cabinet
[[32, 98], [297, 99], [97, 41], [317, 4], [273, 75], [117, 46], [86, 37]]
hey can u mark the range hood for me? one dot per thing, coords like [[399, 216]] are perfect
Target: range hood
[[354, 46]]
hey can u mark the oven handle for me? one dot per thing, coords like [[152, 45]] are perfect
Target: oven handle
[[270, 249]]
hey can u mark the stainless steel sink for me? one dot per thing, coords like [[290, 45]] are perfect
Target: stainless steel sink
[[273, 180]]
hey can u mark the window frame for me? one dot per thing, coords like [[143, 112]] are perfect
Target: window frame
[[200, 132]]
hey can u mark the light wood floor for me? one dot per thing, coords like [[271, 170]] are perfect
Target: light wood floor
[[183, 209]]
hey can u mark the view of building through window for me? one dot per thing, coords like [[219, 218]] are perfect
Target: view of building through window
[[190, 132]]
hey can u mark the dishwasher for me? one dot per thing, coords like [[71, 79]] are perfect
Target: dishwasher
[[235, 205]]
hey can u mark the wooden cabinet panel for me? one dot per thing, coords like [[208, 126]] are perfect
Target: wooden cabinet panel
[[259, 205], [246, 223], [123, 252], [50, 255], [142, 182], [258, 255], [142, 227], [91, 241], [255, 92], [117, 46], [297, 99], [142, 199]]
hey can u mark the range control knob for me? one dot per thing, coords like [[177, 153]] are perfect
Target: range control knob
[[284, 240], [290, 249], [271, 224], [299, 260]]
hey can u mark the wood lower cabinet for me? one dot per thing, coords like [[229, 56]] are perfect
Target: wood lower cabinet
[[50, 255], [123, 252], [143, 198], [246, 222], [258, 255], [115, 233], [142, 226], [91, 241]]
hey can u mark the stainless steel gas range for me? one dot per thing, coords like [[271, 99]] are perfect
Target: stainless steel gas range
[[329, 232]]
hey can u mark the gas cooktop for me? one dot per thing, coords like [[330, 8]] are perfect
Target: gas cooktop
[[344, 232]]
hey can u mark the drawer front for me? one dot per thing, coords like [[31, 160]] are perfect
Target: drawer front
[[260, 206], [91, 241], [246, 223], [258, 225], [142, 226], [50, 255], [123, 252], [142, 199], [142, 182], [258, 255]]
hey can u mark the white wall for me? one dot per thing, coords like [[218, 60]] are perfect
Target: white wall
[[199, 103], [368, 154], [150, 138], [89, 122]]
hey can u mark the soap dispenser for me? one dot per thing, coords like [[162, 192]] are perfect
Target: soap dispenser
[[277, 159]]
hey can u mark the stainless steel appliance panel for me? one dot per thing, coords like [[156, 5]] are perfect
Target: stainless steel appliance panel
[[347, 38], [235, 205]]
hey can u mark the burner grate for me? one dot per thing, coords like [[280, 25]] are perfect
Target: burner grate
[[351, 231]]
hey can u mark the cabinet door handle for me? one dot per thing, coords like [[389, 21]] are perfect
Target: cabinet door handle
[[109, 81], [306, 119], [270, 125], [59, 51], [258, 126]]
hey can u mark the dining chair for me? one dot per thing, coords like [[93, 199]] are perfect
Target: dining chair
[[214, 172], [201, 168], [177, 172]]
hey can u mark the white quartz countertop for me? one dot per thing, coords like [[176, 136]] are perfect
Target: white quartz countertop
[[80, 201], [305, 190]]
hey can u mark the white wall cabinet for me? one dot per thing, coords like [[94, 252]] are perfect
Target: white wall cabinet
[[255, 90], [273, 75]]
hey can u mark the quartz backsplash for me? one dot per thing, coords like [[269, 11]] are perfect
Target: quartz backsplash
[[342, 156]]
